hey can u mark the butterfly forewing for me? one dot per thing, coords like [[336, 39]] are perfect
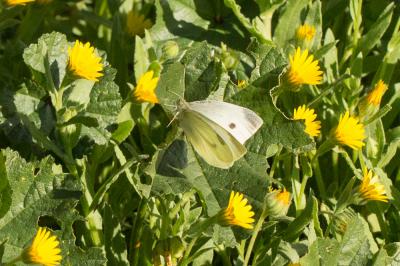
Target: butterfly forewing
[[240, 122]]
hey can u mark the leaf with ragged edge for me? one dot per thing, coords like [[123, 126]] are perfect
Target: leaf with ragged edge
[[388, 255], [38, 189], [52, 47], [105, 104], [202, 72], [179, 169], [277, 129], [352, 249], [196, 76]]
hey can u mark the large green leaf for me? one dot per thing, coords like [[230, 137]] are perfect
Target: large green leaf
[[38, 189], [289, 20], [352, 249], [178, 18], [51, 49], [179, 169]]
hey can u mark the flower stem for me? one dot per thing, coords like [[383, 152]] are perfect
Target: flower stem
[[319, 179], [253, 238]]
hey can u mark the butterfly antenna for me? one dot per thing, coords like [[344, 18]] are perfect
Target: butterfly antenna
[[173, 119]]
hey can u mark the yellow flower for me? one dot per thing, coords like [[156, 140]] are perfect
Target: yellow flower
[[238, 212], [241, 83], [312, 126], [18, 2], [350, 131], [305, 32], [303, 69], [145, 89], [277, 202], [371, 188], [84, 62], [375, 96], [136, 23], [44, 249]]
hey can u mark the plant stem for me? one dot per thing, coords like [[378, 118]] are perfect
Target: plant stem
[[253, 238], [186, 257], [319, 179], [275, 162], [136, 232]]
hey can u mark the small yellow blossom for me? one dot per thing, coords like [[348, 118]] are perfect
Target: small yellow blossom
[[303, 69], [136, 23], [371, 188], [145, 89], [44, 249], [350, 131], [18, 2], [84, 62], [238, 212], [375, 96], [305, 32], [312, 126], [241, 83]]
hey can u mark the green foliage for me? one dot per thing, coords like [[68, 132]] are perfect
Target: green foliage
[[118, 183]]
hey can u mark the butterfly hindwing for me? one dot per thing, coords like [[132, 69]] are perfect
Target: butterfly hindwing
[[212, 142]]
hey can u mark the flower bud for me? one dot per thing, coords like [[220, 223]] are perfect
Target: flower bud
[[277, 202], [229, 57], [341, 220]]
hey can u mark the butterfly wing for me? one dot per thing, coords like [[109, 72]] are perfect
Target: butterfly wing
[[212, 142], [240, 122]]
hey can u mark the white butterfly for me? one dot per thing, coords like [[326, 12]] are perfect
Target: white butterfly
[[218, 130]]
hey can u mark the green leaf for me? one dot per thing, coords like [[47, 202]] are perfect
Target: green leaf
[[246, 22], [179, 170], [177, 18], [37, 188], [114, 241], [54, 47], [388, 255], [296, 227], [277, 129], [202, 72], [374, 35], [352, 249], [289, 21]]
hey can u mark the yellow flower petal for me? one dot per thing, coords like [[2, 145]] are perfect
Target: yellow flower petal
[[305, 32], [18, 2], [84, 62], [312, 126], [145, 89], [375, 96], [238, 212], [136, 23], [350, 131], [371, 188], [44, 249], [303, 69]]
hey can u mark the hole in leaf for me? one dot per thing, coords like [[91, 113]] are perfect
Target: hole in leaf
[[49, 222]]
